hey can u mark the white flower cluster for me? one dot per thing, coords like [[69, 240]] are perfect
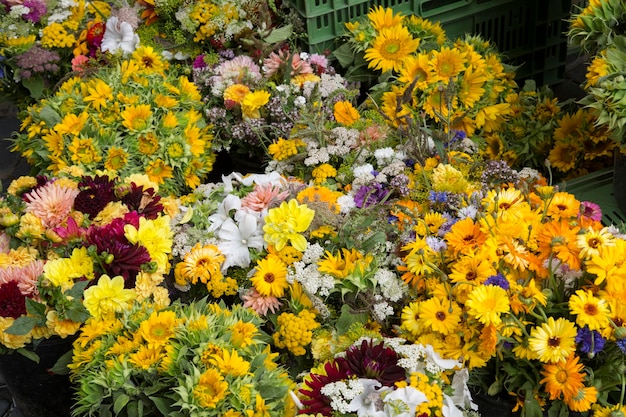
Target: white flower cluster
[[62, 11], [342, 393]]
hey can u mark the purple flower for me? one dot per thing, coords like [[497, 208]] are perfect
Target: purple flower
[[369, 195], [591, 210], [589, 341], [437, 244], [498, 280], [37, 9], [199, 62], [621, 344]]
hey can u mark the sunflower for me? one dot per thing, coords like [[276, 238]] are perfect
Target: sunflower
[[136, 118], [158, 171], [390, 48], [439, 315], [590, 311], [471, 87], [210, 389], [447, 63], [383, 17], [270, 277], [564, 156], [116, 158], [158, 328], [230, 363], [563, 378], [553, 341], [415, 69], [149, 60], [72, 124]]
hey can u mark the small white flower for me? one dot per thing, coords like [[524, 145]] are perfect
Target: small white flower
[[231, 202], [119, 36], [236, 240]]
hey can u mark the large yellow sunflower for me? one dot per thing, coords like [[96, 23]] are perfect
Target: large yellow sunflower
[[390, 48], [381, 18], [447, 63]]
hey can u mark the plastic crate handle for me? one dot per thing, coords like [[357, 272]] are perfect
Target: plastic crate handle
[[428, 8]]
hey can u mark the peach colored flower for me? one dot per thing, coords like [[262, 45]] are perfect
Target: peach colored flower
[[51, 203], [26, 276], [263, 197], [259, 303]]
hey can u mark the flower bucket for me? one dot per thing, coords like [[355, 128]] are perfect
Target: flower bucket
[[35, 390], [619, 180]]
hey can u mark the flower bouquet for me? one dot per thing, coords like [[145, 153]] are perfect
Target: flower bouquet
[[254, 100], [519, 280], [70, 246], [195, 359], [132, 117], [376, 376], [40, 40]]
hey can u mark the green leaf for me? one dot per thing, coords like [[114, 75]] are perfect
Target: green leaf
[[344, 55], [22, 325], [35, 85], [377, 238], [120, 402], [60, 366], [279, 35], [35, 309], [77, 290], [162, 405], [50, 116], [28, 354], [347, 318]]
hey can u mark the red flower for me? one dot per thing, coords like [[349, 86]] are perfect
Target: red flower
[[95, 194], [95, 34], [12, 301], [144, 202], [375, 362], [317, 402]]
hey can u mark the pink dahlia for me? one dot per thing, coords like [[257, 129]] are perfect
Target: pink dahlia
[[51, 203], [26, 277]]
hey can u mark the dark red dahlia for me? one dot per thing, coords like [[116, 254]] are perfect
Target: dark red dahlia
[[144, 202], [375, 361], [120, 257], [95, 194], [12, 301], [316, 402]]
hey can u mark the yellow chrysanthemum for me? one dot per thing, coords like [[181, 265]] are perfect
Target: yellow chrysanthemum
[[487, 303]]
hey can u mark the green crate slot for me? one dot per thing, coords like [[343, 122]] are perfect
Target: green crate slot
[[597, 187]]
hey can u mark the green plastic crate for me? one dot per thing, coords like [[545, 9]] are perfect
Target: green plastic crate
[[530, 33], [597, 187]]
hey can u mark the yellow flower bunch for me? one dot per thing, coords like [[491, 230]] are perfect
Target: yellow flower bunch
[[515, 285], [40, 42], [192, 358], [131, 118], [295, 331]]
